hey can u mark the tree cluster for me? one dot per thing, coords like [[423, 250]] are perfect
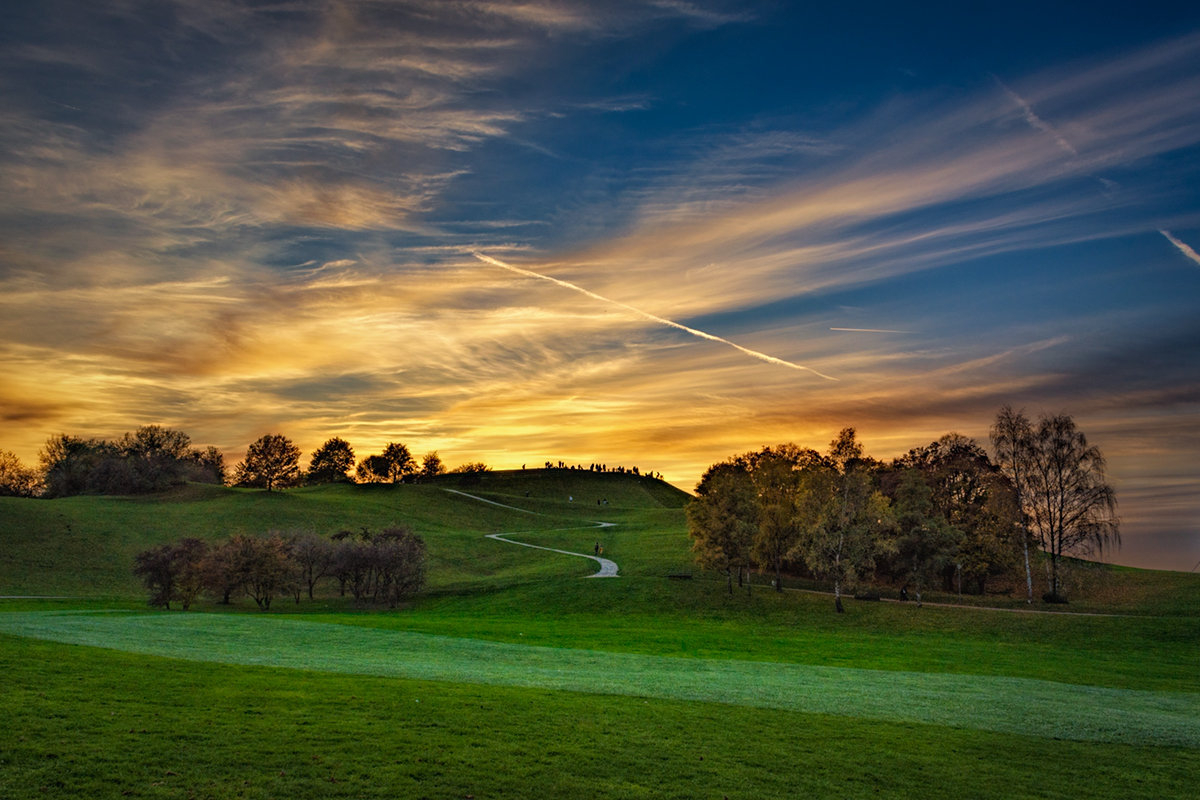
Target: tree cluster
[[150, 459], [385, 567], [941, 515], [1058, 479]]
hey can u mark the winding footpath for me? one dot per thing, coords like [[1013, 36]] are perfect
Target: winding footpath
[[608, 568]]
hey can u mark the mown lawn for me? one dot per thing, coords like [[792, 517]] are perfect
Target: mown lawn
[[86, 722]]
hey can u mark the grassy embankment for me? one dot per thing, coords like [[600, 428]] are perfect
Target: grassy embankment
[[683, 691]]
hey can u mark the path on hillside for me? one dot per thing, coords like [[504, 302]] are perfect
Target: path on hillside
[[608, 568]]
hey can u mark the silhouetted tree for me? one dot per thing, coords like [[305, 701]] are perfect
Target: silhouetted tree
[[271, 462], [17, 480], [68, 463], [471, 467], [401, 464], [206, 466], [432, 466], [153, 459], [373, 469], [331, 462]]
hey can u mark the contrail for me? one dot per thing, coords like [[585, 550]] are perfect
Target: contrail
[[1183, 247], [1035, 121], [867, 330], [649, 316]]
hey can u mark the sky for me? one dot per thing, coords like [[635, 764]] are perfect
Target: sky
[[651, 233]]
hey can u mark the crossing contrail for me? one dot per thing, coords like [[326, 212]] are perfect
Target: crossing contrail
[[868, 330], [1183, 247], [1037, 122], [647, 315]]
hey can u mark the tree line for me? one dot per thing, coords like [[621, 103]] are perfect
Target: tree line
[[384, 567], [944, 514], [154, 458]]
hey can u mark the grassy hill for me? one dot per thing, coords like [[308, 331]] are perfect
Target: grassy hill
[[514, 677]]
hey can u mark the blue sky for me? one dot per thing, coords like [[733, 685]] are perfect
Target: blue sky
[[240, 218]]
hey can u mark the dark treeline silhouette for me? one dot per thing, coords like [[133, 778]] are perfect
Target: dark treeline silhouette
[[385, 567], [154, 458], [150, 459], [941, 516]]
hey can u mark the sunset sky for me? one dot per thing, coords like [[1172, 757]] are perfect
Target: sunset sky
[[514, 232]]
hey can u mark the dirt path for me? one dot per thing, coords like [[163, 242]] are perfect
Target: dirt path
[[608, 568]]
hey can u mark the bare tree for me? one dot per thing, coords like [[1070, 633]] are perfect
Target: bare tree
[[1071, 506], [313, 556], [1012, 438]]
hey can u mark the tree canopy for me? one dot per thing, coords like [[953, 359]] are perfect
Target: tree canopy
[[272, 462]]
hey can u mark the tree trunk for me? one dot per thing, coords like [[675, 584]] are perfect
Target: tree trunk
[[1028, 572], [729, 579], [837, 597]]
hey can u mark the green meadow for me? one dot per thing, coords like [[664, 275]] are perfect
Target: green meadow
[[515, 675]]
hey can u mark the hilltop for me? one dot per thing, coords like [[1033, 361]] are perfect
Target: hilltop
[[84, 545]]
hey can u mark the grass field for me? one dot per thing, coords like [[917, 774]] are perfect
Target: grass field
[[511, 677]]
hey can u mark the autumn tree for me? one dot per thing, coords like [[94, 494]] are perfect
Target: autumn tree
[[971, 495], [777, 488], [844, 518], [925, 541], [271, 462], [331, 462], [723, 520]]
